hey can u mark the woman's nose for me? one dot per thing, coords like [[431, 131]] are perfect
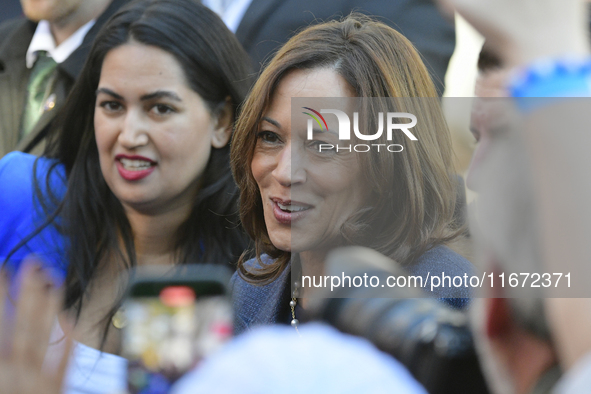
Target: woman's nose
[[289, 169], [134, 130]]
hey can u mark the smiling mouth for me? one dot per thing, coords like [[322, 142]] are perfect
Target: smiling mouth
[[286, 212], [290, 207], [134, 168], [136, 165]]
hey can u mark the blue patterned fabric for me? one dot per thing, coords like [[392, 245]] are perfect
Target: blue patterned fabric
[[262, 305]]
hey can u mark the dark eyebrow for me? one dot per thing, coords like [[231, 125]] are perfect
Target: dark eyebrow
[[109, 92], [273, 122], [161, 94], [150, 96]]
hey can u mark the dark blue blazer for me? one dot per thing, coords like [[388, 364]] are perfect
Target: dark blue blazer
[[268, 24], [269, 304]]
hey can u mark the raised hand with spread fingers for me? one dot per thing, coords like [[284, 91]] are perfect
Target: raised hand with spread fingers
[[25, 333]]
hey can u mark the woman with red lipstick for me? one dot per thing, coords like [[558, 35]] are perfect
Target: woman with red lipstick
[[137, 173], [301, 196]]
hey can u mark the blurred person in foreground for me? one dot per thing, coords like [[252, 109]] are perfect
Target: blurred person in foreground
[[531, 357], [489, 89], [534, 190], [275, 359], [269, 360], [41, 57], [25, 332]]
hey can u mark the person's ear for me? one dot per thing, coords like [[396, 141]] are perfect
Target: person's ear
[[498, 317], [224, 124]]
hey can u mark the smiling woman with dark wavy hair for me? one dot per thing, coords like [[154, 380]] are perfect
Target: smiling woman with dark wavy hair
[[297, 203], [137, 173]]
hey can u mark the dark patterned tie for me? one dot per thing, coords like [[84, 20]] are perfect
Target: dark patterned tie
[[38, 91]]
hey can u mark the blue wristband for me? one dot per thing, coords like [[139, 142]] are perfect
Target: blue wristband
[[554, 78]]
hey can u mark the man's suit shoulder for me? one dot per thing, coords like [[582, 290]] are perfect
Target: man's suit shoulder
[[10, 27]]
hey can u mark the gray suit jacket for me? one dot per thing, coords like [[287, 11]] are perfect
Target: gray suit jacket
[[15, 37], [269, 304]]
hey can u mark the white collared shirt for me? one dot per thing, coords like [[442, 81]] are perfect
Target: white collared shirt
[[43, 41], [231, 11]]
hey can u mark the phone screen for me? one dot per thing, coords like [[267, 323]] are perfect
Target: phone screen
[[169, 333]]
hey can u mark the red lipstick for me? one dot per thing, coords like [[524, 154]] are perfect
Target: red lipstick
[[134, 174]]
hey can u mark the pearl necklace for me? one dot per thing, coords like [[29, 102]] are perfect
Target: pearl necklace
[[119, 320], [292, 305]]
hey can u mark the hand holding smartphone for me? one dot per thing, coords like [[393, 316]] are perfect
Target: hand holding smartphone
[[171, 320]]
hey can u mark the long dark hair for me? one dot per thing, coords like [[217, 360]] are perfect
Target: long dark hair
[[90, 217]]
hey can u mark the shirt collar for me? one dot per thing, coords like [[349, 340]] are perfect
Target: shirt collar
[[231, 11], [43, 41]]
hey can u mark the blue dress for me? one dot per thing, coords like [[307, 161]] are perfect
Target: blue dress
[[21, 213], [90, 370]]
